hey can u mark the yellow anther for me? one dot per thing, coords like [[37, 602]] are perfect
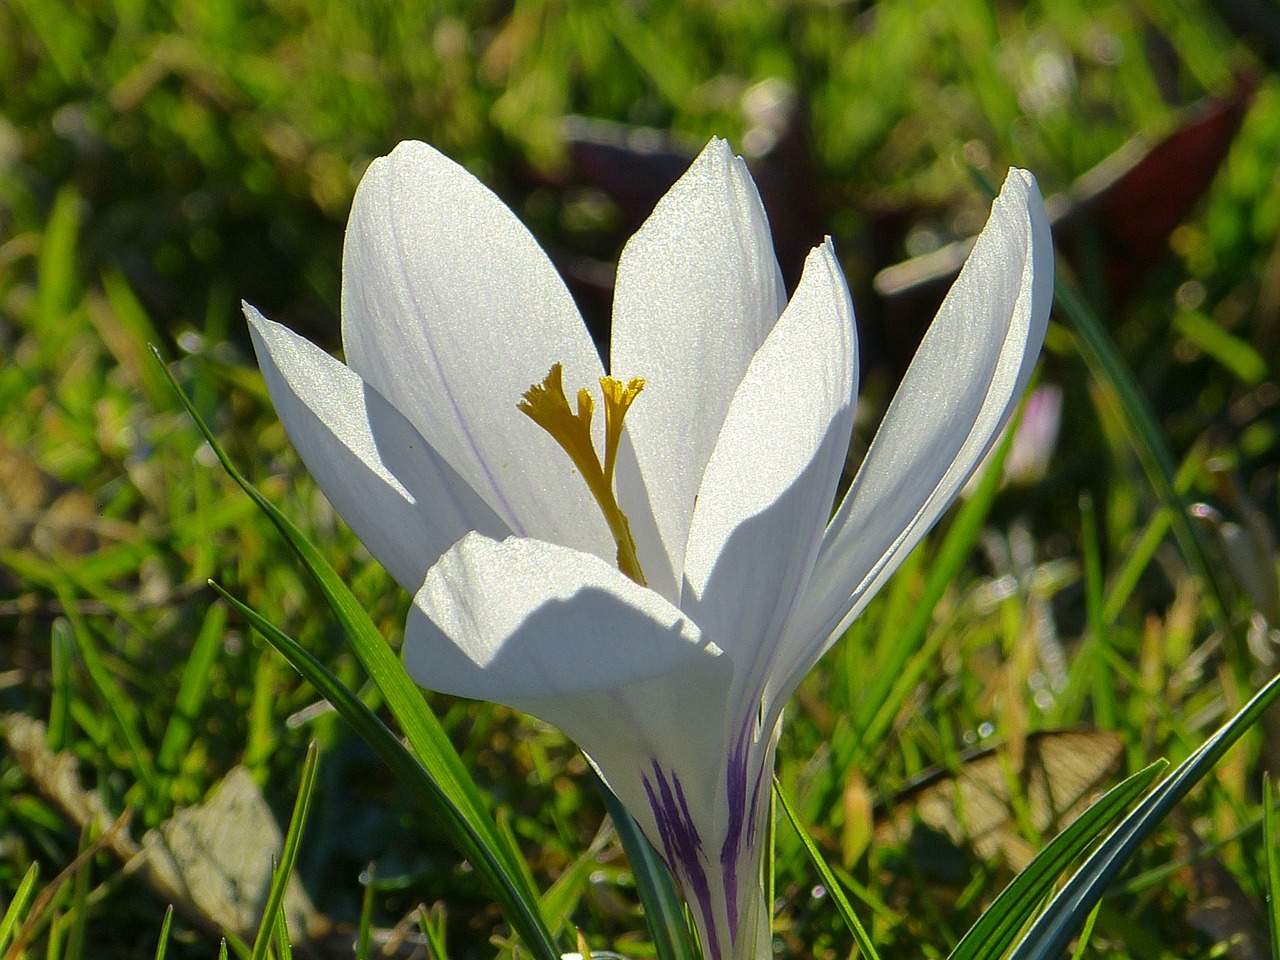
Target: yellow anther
[[617, 400], [547, 406]]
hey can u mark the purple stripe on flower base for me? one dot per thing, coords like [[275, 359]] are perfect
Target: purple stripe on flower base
[[736, 792], [682, 849]]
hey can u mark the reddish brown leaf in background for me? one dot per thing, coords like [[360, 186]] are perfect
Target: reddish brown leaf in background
[[1139, 194], [1126, 207]]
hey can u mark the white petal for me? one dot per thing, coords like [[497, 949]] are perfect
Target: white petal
[[961, 387], [564, 636], [669, 723], [698, 290], [451, 311], [521, 618], [768, 488], [402, 500]]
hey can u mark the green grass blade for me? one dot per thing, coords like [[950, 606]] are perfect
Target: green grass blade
[[364, 929], [1009, 912], [895, 680], [119, 706], [829, 879], [18, 904], [433, 931], [60, 649], [1083, 943], [162, 945], [56, 293], [273, 911], [444, 768], [1270, 837], [662, 906], [1067, 912], [284, 951], [1103, 359], [192, 689], [410, 769]]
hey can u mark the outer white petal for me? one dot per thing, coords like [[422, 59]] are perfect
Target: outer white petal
[[402, 500], [516, 619], [451, 311], [698, 290], [768, 488], [658, 746], [960, 389], [564, 636]]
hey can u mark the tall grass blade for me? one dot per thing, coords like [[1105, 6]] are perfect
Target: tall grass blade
[[61, 645], [1067, 912], [403, 763], [120, 708], [829, 880], [284, 950], [990, 937], [274, 909], [432, 928], [452, 788], [1270, 837], [662, 906], [364, 928], [894, 679], [1104, 361], [18, 904], [162, 945], [192, 689]]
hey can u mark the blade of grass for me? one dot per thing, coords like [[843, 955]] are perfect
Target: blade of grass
[[384, 668], [860, 935], [60, 680], [1069, 909], [162, 945], [1098, 640], [18, 904], [433, 932], [284, 951], [893, 681], [78, 909], [1086, 933], [119, 706], [662, 907], [991, 935], [192, 689], [56, 292], [452, 787], [273, 911], [406, 764], [1269, 839], [364, 927], [1103, 359]]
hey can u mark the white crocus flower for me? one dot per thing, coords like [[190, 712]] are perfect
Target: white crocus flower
[[658, 603]]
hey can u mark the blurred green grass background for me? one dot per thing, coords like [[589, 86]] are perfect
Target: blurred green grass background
[[161, 161]]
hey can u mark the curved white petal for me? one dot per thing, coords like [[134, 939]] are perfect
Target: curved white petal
[[402, 500], [451, 311], [769, 485], [520, 618], [564, 636], [961, 387], [698, 290]]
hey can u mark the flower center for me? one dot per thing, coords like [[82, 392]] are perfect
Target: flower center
[[546, 405]]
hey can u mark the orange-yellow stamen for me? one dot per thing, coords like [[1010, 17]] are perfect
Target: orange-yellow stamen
[[547, 406]]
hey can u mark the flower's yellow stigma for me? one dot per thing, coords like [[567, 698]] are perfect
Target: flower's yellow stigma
[[547, 406]]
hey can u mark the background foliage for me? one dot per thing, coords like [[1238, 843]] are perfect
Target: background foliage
[[161, 161]]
